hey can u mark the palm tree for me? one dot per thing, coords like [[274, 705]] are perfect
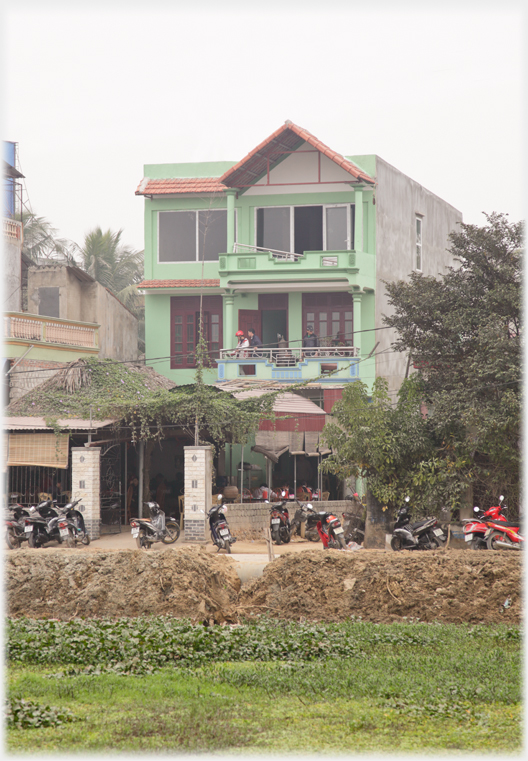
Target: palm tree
[[41, 241]]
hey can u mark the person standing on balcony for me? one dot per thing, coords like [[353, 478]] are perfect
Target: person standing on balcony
[[310, 341], [242, 344], [254, 341]]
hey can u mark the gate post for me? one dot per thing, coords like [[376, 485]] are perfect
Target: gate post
[[198, 474], [86, 464]]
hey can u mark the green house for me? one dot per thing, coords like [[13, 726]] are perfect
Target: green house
[[294, 234]]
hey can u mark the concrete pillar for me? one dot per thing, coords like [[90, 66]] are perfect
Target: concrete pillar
[[358, 224], [356, 297], [231, 195], [86, 471], [198, 470], [229, 321], [377, 524]]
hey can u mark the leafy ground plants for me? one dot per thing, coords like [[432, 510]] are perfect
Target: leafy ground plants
[[160, 684]]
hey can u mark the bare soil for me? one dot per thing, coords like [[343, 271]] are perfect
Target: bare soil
[[450, 586]]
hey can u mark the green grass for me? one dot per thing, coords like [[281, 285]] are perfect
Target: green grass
[[313, 688]]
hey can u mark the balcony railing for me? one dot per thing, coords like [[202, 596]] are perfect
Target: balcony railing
[[12, 230], [244, 248], [50, 330], [286, 357]]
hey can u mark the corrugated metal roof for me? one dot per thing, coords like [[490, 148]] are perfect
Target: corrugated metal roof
[[39, 423], [286, 403]]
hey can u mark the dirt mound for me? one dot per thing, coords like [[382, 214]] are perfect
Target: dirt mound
[[452, 587], [62, 584]]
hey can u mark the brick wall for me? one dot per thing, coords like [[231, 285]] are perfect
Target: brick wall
[[28, 374], [86, 463], [254, 516]]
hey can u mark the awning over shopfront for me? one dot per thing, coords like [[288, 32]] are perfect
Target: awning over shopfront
[[272, 444]]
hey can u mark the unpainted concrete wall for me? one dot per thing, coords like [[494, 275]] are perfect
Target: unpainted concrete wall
[[398, 200], [12, 276]]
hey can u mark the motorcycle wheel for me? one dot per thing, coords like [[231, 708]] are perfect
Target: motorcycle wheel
[[477, 544], [396, 543], [141, 540], [286, 536], [228, 547], [341, 541], [173, 533], [32, 540], [493, 537], [434, 542], [70, 539], [85, 540], [13, 542], [275, 537], [312, 535]]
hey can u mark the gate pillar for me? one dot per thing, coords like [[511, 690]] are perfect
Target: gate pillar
[[198, 474], [86, 463]]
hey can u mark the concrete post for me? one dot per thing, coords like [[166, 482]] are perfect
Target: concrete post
[[231, 195], [377, 524], [229, 329], [356, 297], [86, 465], [358, 223], [198, 472]]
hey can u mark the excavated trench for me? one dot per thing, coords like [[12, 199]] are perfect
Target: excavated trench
[[453, 586]]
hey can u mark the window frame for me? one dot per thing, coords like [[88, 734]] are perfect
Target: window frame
[[189, 306], [346, 204], [196, 213], [418, 242]]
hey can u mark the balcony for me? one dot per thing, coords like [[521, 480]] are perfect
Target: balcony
[[332, 364], [21, 327], [13, 230]]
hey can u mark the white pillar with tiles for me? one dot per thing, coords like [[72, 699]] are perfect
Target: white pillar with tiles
[[198, 474], [86, 464]]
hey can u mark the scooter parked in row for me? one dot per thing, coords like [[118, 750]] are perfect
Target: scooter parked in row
[[15, 527], [220, 533], [475, 528], [76, 519], [503, 534], [147, 531], [329, 528], [424, 534], [280, 522], [47, 523]]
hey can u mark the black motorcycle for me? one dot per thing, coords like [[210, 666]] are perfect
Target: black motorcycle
[[76, 520], [158, 529], [220, 533], [305, 514], [15, 527], [424, 534], [280, 522], [353, 523], [48, 523]]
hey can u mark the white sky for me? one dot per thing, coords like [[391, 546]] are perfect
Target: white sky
[[92, 94]]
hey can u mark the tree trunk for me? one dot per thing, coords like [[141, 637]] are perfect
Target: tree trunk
[[377, 524]]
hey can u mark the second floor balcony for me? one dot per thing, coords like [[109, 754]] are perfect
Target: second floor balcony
[[22, 327], [327, 363]]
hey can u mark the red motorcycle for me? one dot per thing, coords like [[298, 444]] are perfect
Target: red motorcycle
[[504, 535], [475, 528]]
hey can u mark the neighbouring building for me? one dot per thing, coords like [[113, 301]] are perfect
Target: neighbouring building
[[292, 235]]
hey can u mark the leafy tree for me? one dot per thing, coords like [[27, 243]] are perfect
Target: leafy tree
[[463, 332]]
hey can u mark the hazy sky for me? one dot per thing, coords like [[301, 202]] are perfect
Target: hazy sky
[[93, 93]]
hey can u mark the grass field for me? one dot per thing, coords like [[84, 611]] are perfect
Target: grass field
[[159, 684]]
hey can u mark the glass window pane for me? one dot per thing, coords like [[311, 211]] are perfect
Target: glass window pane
[[336, 229], [308, 228], [273, 228], [310, 317], [212, 234], [177, 236]]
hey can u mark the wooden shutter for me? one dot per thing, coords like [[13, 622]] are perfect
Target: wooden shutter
[[44, 449]]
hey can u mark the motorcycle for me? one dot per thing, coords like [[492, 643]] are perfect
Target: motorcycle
[[309, 518], [46, 523], [353, 524], [77, 522], [220, 534], [424, 534], [329, 528], [280, 522], [15, 527], [502, 534], [156, 529], [475, 528]]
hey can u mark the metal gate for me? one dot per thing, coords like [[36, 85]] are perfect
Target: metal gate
[[111, 488]]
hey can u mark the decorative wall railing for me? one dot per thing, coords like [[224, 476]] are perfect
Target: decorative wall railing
[[286, 357], [12, 230], [244, 248], [50, 330]]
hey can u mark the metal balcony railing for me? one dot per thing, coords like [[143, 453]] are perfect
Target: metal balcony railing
[[244, 248], [286, 357], [49, 330]]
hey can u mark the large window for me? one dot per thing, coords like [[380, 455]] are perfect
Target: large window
[[305, 228], [185, 326], [190, 236]]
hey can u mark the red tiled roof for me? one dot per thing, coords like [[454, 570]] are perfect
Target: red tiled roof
[[149, 187], [286, 138], [211, 283]]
